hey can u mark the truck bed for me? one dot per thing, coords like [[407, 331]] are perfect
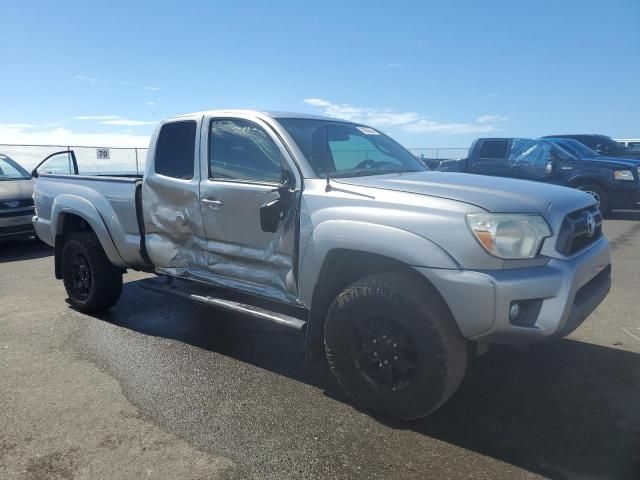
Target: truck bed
[[110, 204]]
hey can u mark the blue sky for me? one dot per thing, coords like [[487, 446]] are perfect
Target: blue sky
[[428, 73]]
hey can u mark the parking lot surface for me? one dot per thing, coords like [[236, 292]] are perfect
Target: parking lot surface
[[161, 388]]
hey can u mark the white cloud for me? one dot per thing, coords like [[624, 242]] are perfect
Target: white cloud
[[128, 123], [107, 82], [115, 120], [395, 65], [84, 78], [96, 117], [371, 116], [428, 126], [151, 104], [16, 125], [407, 121], [317, 102], [37, 135], [491, 118]]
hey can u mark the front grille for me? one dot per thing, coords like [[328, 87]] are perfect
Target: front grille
[[575, 235], [16, 203], [16, 229], [17, 213]]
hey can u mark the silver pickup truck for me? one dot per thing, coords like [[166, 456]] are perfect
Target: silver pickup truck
[[331, 228]]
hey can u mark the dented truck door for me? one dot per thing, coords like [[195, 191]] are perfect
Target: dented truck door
[[243, 169], [174, 232]]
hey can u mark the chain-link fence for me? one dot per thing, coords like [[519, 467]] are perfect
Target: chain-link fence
[[90, 160], [131, 161], [441, 153]]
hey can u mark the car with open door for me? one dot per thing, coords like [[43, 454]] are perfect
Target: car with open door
[[16, 200]]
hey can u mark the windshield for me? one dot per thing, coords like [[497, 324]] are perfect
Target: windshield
[[347, 149], [580, 150], [10, 170]]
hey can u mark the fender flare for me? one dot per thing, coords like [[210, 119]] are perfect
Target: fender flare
[[394, 243], [80, 207], [585, 178]]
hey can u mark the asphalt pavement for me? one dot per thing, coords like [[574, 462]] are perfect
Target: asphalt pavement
[[162, 388]]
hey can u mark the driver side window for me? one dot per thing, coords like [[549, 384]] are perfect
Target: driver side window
[[241, 150]]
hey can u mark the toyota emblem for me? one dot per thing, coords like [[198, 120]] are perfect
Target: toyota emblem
[[591, 224], [12, 204]]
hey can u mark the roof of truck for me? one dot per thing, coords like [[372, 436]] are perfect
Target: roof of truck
[[271, 113]]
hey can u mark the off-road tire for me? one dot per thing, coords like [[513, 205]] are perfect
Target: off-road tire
[[418, 310], [105, 285]]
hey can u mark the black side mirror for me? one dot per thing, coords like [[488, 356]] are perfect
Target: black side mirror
[[548, 167], [601, 149], [34, 173], [272, 212], [287, 180]]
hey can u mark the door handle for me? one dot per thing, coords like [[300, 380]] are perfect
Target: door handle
[[181, 218], [212, 202]]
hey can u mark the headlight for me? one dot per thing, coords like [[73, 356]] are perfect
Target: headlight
[[623, 175], [509, 236]]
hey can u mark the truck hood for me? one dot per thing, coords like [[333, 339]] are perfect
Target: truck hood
[[628, 154], [16, 189], [494, 194], [615, 161]]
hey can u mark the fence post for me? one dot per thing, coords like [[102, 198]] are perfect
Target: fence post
[[137, 168]]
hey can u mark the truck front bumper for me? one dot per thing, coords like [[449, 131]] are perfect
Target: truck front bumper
[[562, 294], [16, 225], [625, 198]]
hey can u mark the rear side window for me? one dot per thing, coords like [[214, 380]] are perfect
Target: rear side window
[[591, 142], [175, 150], [493, 149]]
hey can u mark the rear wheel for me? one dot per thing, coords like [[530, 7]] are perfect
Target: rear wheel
[[93, 284], [392, 344], [599, 194]]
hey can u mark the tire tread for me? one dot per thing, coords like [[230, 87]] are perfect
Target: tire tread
[[107, 279]]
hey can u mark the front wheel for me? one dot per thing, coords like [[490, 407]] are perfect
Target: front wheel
[[392, 344], [93, 284], [599, 194]]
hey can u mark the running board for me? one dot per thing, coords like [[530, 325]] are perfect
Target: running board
[[168, 286]]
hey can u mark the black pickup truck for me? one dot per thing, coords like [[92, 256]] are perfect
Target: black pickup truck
[[615, 183], [602, 144]]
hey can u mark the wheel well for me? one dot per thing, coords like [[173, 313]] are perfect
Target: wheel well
[[68, 223], [578, 182], [341, 268]]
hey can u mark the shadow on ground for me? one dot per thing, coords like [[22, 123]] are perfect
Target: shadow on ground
[[23, 249], [564, 409]]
